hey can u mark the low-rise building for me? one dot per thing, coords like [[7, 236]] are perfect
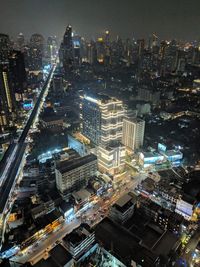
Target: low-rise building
[[79, 241], [72, 175], [123, 209], [52, 122]]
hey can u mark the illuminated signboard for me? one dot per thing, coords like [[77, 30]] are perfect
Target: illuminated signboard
[[162, 147], [184, 208], [28, 104]]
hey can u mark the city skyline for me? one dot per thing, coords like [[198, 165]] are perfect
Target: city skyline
[[99, 133], [135, 19]]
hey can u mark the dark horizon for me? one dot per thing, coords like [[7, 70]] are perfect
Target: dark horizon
[[131, 18]]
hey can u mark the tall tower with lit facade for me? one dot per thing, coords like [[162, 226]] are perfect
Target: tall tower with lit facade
[[4, 48], [102, 119], [7, 98], [102, 123], [66, 49], [36, 52]]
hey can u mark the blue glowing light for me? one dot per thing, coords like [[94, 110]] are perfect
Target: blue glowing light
[[28, 104]]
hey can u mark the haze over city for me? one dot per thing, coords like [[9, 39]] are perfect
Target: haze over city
[[130, 18]]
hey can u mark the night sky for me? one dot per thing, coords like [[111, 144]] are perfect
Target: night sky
[[178, 19]]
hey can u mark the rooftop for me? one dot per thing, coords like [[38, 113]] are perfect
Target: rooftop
[[123, 200], [60, 255], [78, 235], [172, 153], [125, 246], [81, 195], [68, 165], [124, 203]]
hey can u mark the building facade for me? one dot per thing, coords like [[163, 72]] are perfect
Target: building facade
[[72, 175], [111, 159], [133, 133], [102, 119]]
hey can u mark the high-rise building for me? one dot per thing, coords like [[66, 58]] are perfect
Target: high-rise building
[[52, 49], [4, 48], [66, 49], [20, 42], [107, 38], [76, 41], [36, 52], [58, 86], [100, 50], [141, 47], [17, 72], [91, 53], [102, 119], [7, 98], [133, 133], [73, 174]]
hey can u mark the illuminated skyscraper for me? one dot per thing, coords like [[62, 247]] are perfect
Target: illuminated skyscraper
[[35, 52], [141, 46], [107, 38], [76, 40], [20, 41], [102, 124], [4, 48], [7, 98], [66, 49], [102, 119], [100, 50], [91, 53], [52, 49]]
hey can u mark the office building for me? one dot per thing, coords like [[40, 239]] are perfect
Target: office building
[[149, 96], [52, 49], [72, 175], [66, 49], [20, 42], [133, 133], [91, 51], [76, 42], [102, 119], [4, 48], [141, 47], [36, 52], [100, 50], [17, 72], [58, 84], [7, 98]]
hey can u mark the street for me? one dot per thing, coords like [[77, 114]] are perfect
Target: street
[[92, 216]]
